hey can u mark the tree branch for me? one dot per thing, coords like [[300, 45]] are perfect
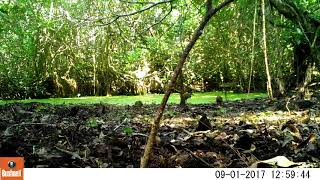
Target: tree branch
[[156, 124], [162, 19], [135, 12], [136, 2], [145, 9]]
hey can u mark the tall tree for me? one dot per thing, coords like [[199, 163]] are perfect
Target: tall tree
[[264, 47], [253, 46]]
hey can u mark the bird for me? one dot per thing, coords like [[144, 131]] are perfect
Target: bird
[[204, 123], [219, 100]]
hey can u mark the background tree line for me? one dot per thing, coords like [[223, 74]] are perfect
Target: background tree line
[[64, 47]]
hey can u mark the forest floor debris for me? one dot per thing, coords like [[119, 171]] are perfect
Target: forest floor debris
[[241, 134]]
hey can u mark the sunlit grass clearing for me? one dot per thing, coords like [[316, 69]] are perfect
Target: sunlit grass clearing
[[197, 98]]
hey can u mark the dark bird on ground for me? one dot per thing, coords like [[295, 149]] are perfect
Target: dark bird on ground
[[219, 100], [204, 123]]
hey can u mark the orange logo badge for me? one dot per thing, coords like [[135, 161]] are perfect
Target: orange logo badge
[[11, 168]]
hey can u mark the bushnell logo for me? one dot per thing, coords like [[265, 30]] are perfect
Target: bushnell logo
[[11, 168], [12, 164]]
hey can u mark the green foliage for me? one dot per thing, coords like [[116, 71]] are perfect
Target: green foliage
[[92, 123], [62, 48], [127, 130]]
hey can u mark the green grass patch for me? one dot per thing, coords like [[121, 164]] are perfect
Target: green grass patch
[[197, 98]]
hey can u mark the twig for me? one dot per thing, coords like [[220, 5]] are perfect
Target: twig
[[125, 120], [287, 103], [198, 158], [73, 154], [6, 132], [237, 152], [139, 134], [174, 147], [68, 141]]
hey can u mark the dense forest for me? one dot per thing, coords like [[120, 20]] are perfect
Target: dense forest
[[62, 48], [81, 50]]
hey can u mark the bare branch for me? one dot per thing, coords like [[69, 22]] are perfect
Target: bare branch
[[145, 9], [162, 19], [136, 12], [222, 5], [136, 2]]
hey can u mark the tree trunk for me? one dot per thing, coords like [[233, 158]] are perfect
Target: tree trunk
[[306, 49], [155, 126], [253, 46], [264, 47], [182, 90]]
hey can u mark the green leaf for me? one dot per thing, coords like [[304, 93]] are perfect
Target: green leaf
[[127, 130], [92, 123]]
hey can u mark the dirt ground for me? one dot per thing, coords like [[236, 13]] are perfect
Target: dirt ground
[[240, 134]]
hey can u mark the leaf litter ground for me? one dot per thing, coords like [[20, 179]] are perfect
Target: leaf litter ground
[[242, 133]]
